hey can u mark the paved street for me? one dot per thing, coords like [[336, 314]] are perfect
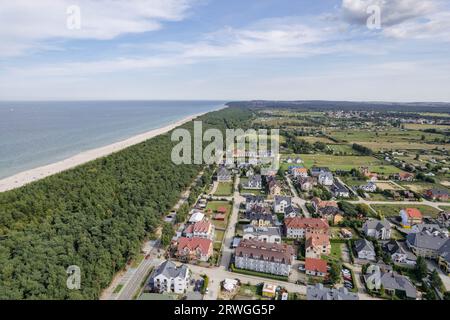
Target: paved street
[[301, 203]]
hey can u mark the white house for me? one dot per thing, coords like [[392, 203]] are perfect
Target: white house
[[377, 229], [281, 203], [365, 250], [264, 234], [170, 278], [369, 187], [326, 179]]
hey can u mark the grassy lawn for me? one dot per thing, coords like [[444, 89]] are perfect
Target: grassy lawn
[[137, 261], [224, 189], [347, 163], [342, 148], [219, 235], [336, 250], [420, 187], [118, 288], [389, 210], [212, 208], [254, 192]]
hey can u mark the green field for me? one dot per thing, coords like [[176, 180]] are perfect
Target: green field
[[212, 208], [224, 189], [347, 163], [390, 210], [392, 139]]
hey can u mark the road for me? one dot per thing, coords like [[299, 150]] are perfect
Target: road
[[227, 252], [301, 203]]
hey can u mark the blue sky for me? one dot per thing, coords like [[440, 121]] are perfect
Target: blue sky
[[225, 50]]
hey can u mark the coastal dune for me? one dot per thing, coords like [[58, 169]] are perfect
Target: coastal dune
[[29, 176]]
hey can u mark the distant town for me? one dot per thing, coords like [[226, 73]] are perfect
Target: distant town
[[359, 210]]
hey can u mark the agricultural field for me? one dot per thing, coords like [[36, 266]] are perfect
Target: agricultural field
[[418, 126], [420, 187], [313, 139], [347, 163], [390, 140], [390, 210]]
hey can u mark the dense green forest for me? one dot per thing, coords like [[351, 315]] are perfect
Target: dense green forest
[[94, 216]]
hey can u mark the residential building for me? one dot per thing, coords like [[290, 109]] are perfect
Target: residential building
[[306, 184], [316, 171], [252, 201], [269, 290], [403, 176], [380, 230], [317, 244], [437, 194], [264, 257], [319, 204], [444, 219], [196, 216], [369, 187], [326, 179], [194, 249], [260, 219], [296, 228], [396, 284], [167, 277], [316, 267], [264, 234], [290, 212], [365, 250], [410, 217], [338, 190], [281, 203], [201, 229], [298, 172], [224, 175], [398, 253], [273, 186], [254, 183], [319, 292], [426, 245], [433, 229]]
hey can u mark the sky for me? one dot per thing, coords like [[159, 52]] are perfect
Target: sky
[[359, 50]]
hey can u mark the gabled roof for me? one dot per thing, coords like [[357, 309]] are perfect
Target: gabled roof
[[306, 223], [425, 240], [319, 292], [279, 199], [317, 239], [258, 250], [170, 270], [377, 224], [316, 265], [395, 281], [413, 213], [364, 245], [194, 243]]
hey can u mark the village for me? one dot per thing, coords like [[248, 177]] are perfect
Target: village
[[337, 221]]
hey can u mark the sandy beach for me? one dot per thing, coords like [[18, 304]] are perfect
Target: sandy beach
[[26, 177]]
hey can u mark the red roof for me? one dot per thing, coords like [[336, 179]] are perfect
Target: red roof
[[317, 239], [222, 210], [306, 223], [316, 265], [202, 226], [322, 204], [194, 243], [413, 213], [300, 170]]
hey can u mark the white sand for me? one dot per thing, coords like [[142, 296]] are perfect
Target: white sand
[[32, 175]]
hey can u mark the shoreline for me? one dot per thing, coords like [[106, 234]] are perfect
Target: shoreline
[[26, 177]]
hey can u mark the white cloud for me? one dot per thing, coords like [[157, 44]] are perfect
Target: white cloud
[[27, 24]]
